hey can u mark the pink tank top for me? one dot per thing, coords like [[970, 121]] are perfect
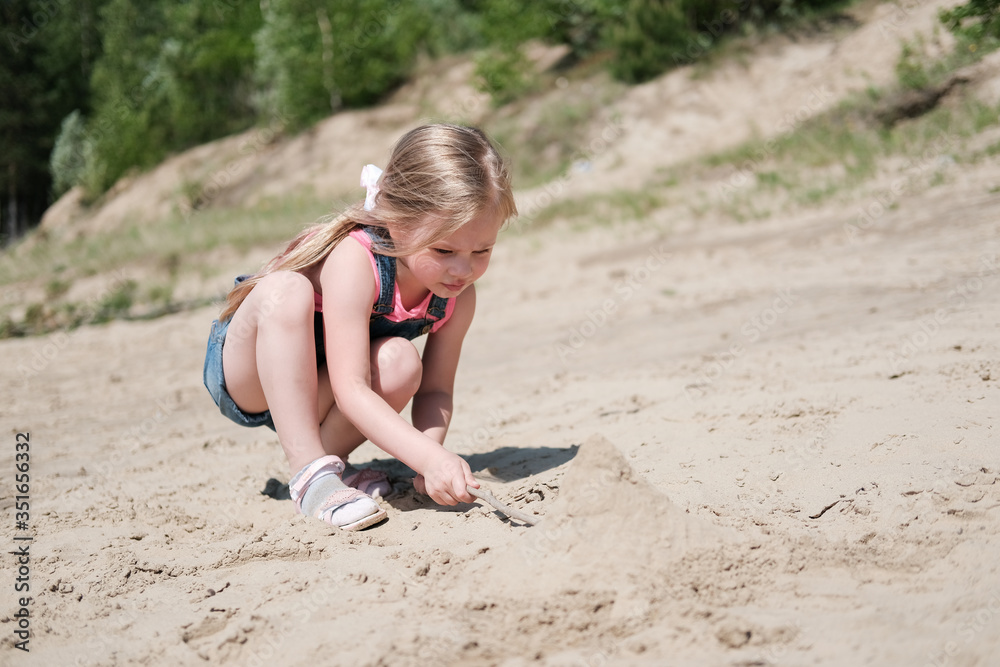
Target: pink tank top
[[399, 312]]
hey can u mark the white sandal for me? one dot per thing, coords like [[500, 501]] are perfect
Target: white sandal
[[348, 509]]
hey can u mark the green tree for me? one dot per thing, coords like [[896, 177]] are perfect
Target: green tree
[[69, 154], [315, 57], [208, 63], [172, 75], [45, 62]]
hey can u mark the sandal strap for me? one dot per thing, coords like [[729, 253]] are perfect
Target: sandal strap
[[337, 499], [321, 467]]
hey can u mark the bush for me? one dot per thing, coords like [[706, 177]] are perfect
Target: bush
[[650, 36], [910, 68], [504, 74], [117, 303], [976, 20], [68, 157], [651, 31]]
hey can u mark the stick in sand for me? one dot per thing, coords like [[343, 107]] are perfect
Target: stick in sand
[[488, 497]]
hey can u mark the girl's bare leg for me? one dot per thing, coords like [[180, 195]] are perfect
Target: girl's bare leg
[[269, 362], [396, 370]]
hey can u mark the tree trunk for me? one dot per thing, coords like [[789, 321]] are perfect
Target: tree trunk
[[11, 204], [326, 37]]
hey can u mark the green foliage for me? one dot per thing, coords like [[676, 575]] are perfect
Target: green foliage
[[68, 158], [314, 58], [10, 329], [46, 51], [505, 74], [925, 62], [34, 316], [208, 68], [647, 37], [512, 22], [152, 77], [171, 76], [117, 303], [160, 294], [55, 288], [910, 68], [644, 40], [605, 208], [976, 20], [503, 70], [127, 91]]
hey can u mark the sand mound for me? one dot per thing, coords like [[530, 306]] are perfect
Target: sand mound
[[609, 530], [607, 524], [613, 558]]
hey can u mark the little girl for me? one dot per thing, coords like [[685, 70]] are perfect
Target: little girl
[[317, 345]]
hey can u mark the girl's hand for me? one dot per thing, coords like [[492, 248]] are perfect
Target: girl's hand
[[445, 480]]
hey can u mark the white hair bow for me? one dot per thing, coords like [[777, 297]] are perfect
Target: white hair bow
[[369, 180]]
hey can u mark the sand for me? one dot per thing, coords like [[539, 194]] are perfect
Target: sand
[[778, 447], [771, 443]]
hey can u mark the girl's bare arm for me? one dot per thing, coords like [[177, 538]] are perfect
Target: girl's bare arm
[[348, 293], [432, 404]]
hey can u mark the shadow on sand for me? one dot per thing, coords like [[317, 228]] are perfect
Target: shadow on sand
[[505, 464]]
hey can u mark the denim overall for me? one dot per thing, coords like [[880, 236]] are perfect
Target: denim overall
[[378, 327]]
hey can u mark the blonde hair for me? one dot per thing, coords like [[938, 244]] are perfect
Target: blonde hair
[[438, 178]]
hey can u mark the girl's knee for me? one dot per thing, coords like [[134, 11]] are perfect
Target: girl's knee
[[399, 366], [284, 293]]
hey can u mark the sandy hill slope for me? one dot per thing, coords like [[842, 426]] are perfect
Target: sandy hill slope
[[681, 115]]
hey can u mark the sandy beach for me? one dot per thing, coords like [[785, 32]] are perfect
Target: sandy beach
[[775, 446]]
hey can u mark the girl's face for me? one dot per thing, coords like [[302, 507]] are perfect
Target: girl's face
[[452, 264]]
